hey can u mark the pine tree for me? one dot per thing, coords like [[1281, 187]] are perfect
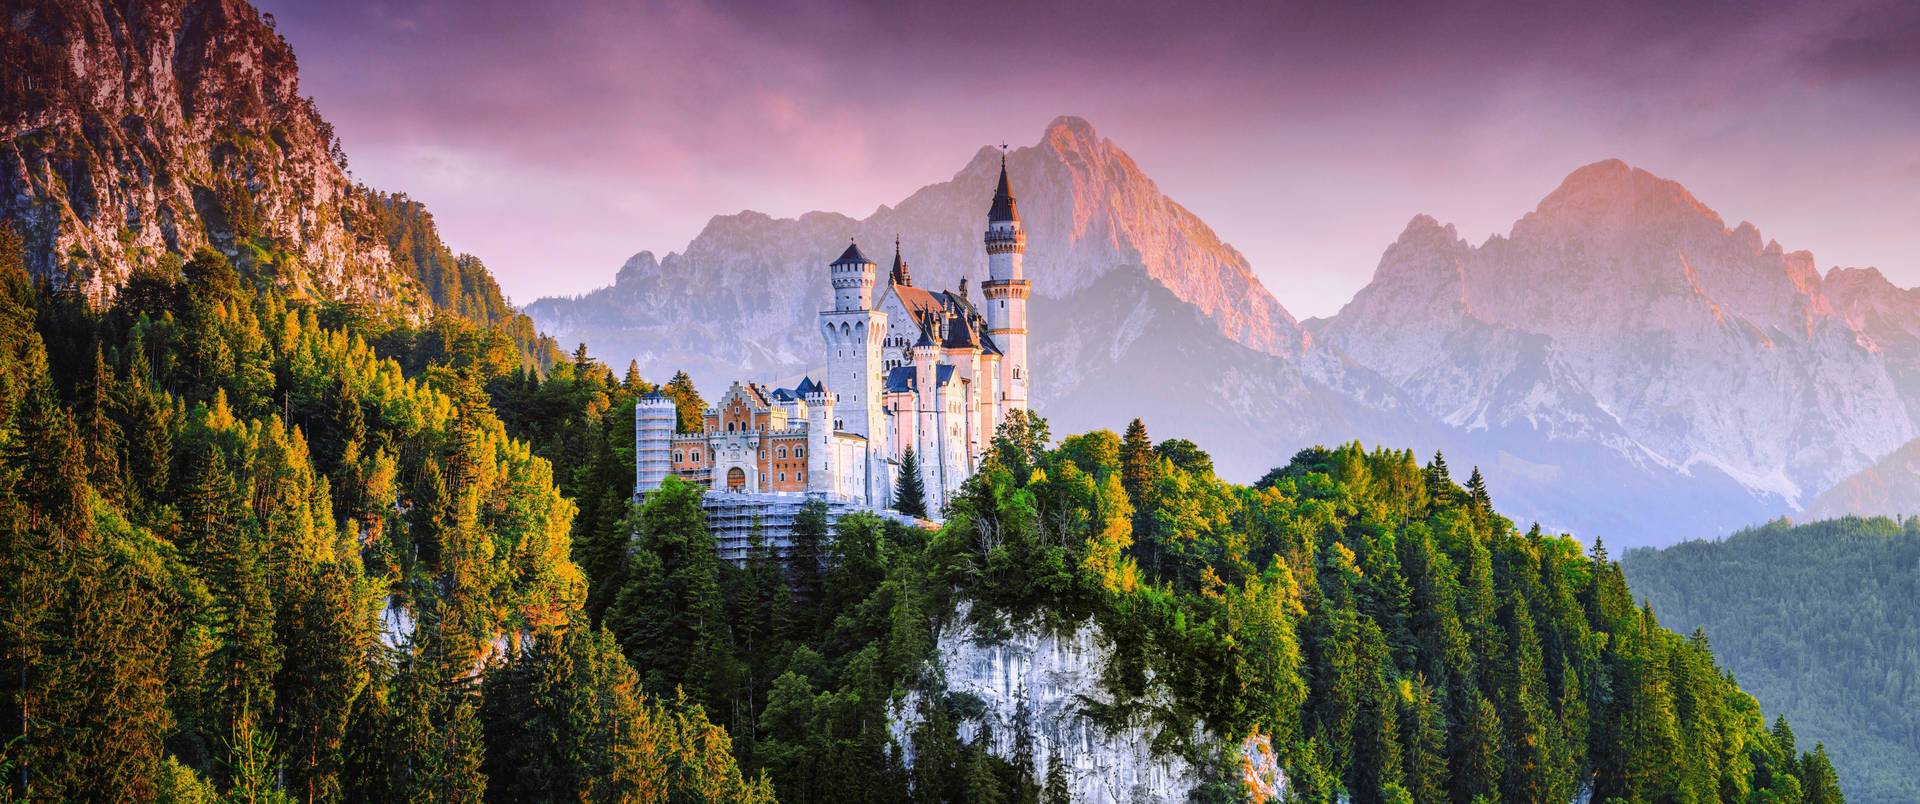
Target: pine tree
[[910, 494], [1057, 790], [1818, 782], [1423, 733], [809, 552], [1441, 491], [323, 673], [983, 783], [1137, 463], [1478, 762]]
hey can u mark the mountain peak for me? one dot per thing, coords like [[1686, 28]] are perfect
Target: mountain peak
[[1071, 126], [1426, 227], [1611, 195]]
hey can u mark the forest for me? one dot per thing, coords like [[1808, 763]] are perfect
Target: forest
[[263, 549], [1821, 621]]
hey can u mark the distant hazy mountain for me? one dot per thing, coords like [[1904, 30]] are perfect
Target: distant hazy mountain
[[1623, 312], [1890, 488], [730, 301], [1622, 366]]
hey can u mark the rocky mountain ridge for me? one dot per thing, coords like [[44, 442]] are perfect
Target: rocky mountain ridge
[[1625, 312], [740, 285], [1622, 363]]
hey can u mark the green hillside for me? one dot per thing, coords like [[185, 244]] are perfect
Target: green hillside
[[1822, 622]]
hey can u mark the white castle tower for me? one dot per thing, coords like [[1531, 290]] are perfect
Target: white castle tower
[[1006, 290], [854, 333], [821, 477]]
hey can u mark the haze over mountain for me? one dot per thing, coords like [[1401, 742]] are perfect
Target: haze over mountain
[[1624, 311], [1621, 337]]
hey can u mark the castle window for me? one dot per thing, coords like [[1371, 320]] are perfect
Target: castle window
[[676, 457], [729, 427], [799, 452], [783, 452], [1016, 372], [696, 456], [783, 477]]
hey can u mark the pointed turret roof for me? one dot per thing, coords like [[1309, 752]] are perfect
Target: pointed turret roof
[[959, 334], [1003, 209], [851, 255], [899, 276], [926, 331]]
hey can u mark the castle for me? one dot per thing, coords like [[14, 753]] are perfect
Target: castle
[[906, 369]]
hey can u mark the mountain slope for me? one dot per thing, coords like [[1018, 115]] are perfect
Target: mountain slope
[[1821, 622], [1624, 312], [737, 290], [1122, 327], [1890, 487], [134, 132]]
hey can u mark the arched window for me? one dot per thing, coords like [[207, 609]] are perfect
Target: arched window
[[799, 452], [782, 452], [676, 457], [783, 477], [696, 456], [729, 427]]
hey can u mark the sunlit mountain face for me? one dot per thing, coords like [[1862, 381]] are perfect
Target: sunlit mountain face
[[1306, 135]]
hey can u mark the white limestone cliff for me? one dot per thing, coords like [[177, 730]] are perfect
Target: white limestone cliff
[[1057, 674]]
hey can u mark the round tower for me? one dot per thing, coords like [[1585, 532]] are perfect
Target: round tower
[[820, 469], [852, 279], [1006, 290], [855, 336]]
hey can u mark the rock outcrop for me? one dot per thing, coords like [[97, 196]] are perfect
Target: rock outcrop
[[133, 130], [1056, 676]]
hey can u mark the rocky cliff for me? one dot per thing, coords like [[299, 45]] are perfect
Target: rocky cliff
[[1031, 680], [137, 130]]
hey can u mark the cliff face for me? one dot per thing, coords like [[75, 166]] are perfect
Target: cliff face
[[1056, 676], [133, 130]]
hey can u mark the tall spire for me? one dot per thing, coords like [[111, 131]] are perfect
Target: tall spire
[[1003, 209], [899, 276]]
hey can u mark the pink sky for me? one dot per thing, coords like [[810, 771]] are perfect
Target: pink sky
[[554, 141]]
